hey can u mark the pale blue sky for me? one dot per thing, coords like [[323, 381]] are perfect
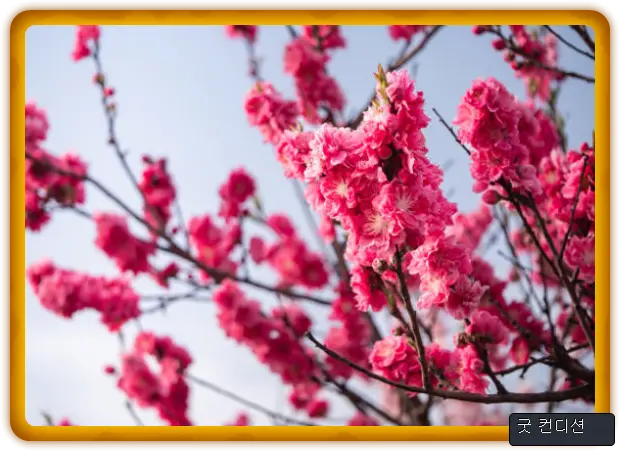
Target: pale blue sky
[[180, 93]]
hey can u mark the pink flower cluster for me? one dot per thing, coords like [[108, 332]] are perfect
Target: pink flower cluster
[[274, 339], [405, 32], [489, 118], [159, 193], [367, 180], [568, 184], [543, 51], [468, 229], [314, 87], [50, 180], [532, 57], [395, 358], [234, 192], [445, 270], [537, 132], [377, 182], [166, 390], [526, 333], [359, 419], [289, 256], [66, 292], [326, 37], [268, 111], [214, 244], [85, 38], [129, 253], [247, 32], [241, 419], [350, 339]]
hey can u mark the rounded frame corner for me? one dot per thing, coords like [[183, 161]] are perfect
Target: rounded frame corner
[[16, 431], [14, 15]]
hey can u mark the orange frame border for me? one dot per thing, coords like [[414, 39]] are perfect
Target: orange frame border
[[26, 19]]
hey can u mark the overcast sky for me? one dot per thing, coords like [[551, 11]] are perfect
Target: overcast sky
[[180, 94]]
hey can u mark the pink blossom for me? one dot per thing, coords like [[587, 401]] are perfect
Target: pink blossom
[[405, 32], [367, 288], [281, 225], [85, 35], [359, 419], [472, 379], [317, 408], [313, 86], [239, 187], [579, 255], [66, 292], [257, 249], [328, 36], [268, 111], [116, 240], [248, 32], [488, 119], [488, 328], [242, 419], [388, 351]]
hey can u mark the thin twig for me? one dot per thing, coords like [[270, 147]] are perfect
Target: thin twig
[[484, 356], [133, 413], [249, 404], [583, 33], [414, 320], [568, 44], [451, 130]]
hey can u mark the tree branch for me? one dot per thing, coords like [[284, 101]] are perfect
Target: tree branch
[[523, 398], [568, 44]]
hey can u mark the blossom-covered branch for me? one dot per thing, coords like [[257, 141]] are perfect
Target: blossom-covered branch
[[394, 247]]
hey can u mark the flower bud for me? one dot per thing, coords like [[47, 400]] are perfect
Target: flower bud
[[379, 265], [398, 331], [99, 79], [509, 56], [499, 44], [514, 275], [491, 197]]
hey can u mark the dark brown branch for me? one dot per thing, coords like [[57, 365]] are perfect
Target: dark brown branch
[[173, 248], [529, 60], [567, 43], [404, 291], [522, 398], [560, 272], [583, 34]]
